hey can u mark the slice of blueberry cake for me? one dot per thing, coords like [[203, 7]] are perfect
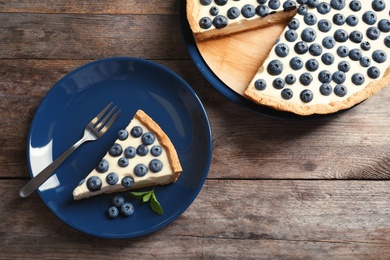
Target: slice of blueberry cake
[[142, 156], [331, 56], [216, 18]]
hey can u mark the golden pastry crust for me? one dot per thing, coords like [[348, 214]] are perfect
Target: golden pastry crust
[[193, 16], [332, 107], [164, 141]]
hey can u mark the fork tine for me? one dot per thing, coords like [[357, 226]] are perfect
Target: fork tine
[[104, 120], [110, 122], [99, 116]]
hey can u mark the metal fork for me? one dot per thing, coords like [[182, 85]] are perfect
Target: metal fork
[[94, 130]]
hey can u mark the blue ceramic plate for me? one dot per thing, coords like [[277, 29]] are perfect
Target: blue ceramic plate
[[224, 89], [131, 84]]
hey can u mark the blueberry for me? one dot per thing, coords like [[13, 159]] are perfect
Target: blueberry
[[344, 66], [136, 131], [378, 5], [155, 165], [290, 79], [213, 11], [262, 10], [148, 138], [118, 201], [102, 166], [323, 8], [379, 56], [262, 1], [205, 23], [286, 94], [341, 35], [328, 42], [296, 63], [220, 21], [142, 150], [386, 41], [205, 2], [342, 51], [384, 25], [355, 5], [274, 4], [339, 77], [233, 12], [275, 67], [127, 209], [302, 2], [305, 79], [326, 89], [373, 33], [122, 134], [302, 10], [325, 76], [123, 162], [130, 152], [365, 62], [356, 36], [338, 19], [278, 83], [340, 90], [112, 212], [369, 17], [313, 3], [310, 19], [308, 35], [337, 4], [140, 170], [289, 6], [324, 25], [306, 96], [301, 47], [127, 181], [352, 20], [112, 178], [315, 49], [94, 183], [293, 24], [156, 150], [248, 11], [291, 35], [281, 50], [373, 72], [365, 46], [260, 84], [115, 150], [327, 58], [312, 65], [81, 182], [221, 2], [355, 54], [357, 79]]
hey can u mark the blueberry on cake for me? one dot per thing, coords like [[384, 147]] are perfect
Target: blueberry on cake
[[142, 156], [217, 18], [329, 57]]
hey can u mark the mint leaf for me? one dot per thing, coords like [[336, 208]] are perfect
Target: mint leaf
[[139, 194], [146, 198], [155, 205]]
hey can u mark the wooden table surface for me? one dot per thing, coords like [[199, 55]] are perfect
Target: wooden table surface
[[275, 190]]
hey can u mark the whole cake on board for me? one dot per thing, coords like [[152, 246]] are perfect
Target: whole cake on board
[[331, 56]]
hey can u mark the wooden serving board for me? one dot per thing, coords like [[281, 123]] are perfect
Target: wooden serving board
[[235, 59]]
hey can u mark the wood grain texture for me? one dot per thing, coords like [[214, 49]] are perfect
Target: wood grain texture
[[249, 219]]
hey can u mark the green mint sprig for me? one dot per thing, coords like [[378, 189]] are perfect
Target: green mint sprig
[[148, 196]]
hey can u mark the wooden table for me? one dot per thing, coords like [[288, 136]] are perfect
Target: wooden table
[[276, 189]]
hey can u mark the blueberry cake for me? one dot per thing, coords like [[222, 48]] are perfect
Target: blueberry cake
[[210, 19], [331, 56], [142, 156]]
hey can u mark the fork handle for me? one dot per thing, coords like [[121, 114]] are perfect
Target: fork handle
[[42, 176]]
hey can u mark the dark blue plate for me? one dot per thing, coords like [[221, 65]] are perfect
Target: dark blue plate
[[222, 87], [131, 84]]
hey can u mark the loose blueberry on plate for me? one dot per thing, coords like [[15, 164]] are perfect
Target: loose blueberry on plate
[[102, 167], [94, 183], [112, 212], [127, 181], [127, 209], [140, 170], [112, 178], [118, 201]]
